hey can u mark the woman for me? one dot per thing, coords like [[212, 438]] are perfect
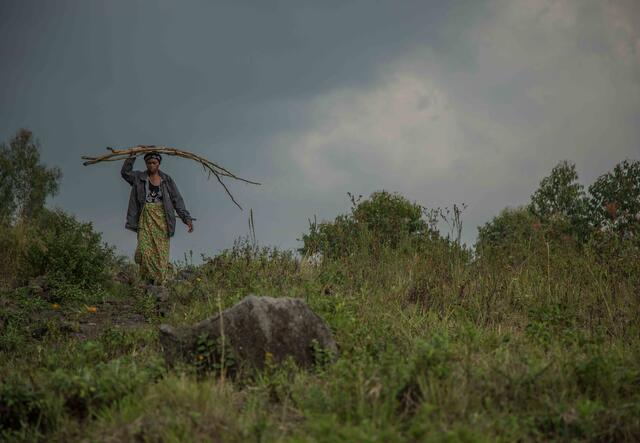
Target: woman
[[153, 201]]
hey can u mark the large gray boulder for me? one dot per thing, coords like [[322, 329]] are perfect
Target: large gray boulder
[[255, 330]]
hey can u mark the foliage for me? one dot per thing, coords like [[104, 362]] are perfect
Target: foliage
[[25, 182], [615, 199], [37, 241], [57, 245], [247, 267], [559, 193], [561, 198], [384, 219], [95, 386], [560, 209], [20, 405], [512, 227], [534, 338], [332, 239], [390, 217], [79, 394]]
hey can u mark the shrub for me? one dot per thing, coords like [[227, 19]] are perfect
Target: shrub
[[20, 404], [390, 217], [247, 267], [9, 247], [57, 245], [332, 239], [508, 232], [91, 388], [384, 219]]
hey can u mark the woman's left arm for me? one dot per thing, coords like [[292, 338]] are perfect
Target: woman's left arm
[[178, 204]]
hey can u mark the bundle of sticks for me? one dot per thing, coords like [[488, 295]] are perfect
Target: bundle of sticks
[[209, 166]]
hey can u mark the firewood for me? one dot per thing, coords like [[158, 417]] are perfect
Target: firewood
[[208, 166]]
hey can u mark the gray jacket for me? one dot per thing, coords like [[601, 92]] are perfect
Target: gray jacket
[[172, 199]]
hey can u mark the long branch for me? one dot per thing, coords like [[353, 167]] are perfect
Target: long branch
[[209, 166]]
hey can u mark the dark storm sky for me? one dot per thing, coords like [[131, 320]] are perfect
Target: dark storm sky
[[444, 102]]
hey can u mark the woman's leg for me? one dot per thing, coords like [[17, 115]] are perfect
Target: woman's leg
[[152, 253]]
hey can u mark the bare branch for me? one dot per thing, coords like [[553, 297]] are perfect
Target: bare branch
[[208, 166]]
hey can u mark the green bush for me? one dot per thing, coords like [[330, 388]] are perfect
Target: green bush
[[21, 405], [383, 220], [9, 251], [91, 388], [511, 226], [57, 245], [35, 240], [515, 235], [247, 267]]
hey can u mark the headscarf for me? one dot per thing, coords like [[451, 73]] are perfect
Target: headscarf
[[153, 155]]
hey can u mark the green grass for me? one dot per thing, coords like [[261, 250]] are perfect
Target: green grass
[[537, 344]]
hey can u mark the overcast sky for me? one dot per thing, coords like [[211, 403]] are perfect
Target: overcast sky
[[445, 102]]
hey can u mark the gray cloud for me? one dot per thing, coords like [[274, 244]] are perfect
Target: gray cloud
[[443, 102]]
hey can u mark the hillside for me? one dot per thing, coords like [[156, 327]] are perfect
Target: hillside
[[435, 345], [531, 335]]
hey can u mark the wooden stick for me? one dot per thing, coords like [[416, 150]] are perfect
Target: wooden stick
[[209, 166]]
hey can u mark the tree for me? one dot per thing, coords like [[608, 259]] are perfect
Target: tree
[[561, 198], [559, 193], [25, 183], [615, 199]]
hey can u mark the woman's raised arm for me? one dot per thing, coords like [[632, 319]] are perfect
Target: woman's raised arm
[[127, 170]]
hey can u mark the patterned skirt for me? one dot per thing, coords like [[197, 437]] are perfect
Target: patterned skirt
[[152, 253]]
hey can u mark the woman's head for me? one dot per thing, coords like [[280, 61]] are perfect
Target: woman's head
[[152, 159]]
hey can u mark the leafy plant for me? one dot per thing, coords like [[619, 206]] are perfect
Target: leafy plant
[[65, 249], [214, 355], [615, 199], [21, 405], [383, 220]]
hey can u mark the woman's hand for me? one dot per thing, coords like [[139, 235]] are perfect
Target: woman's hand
[[190, 226]]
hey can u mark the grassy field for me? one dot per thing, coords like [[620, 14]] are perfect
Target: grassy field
[[537, 342]]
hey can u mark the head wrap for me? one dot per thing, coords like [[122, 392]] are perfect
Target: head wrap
[[153, 155]]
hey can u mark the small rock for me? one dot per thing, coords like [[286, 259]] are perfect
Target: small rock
[[39, 332], [160, 293], [126, 275], [161, 296], [185, 274]]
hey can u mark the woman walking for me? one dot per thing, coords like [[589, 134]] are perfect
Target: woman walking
[[153, 202]]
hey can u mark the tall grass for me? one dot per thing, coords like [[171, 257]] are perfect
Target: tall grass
[[537, 341]]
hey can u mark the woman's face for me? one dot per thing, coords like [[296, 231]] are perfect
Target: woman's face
[[153, 165]]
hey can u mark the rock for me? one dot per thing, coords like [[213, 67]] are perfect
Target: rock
[[161, 296], [39, 332], [126, 275], [256, 329], [160, 293], [185, 274], [124, 278]]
